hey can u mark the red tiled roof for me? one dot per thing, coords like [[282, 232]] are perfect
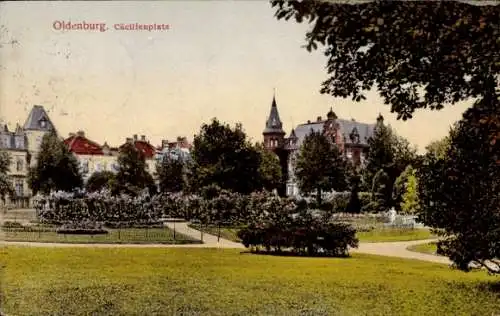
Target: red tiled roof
[[83, 146], [146, 148]]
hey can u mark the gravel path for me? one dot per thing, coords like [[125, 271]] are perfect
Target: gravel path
[[390, 249], [398, 249]]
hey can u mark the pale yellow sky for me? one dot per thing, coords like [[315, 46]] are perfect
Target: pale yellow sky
[[218, 59]]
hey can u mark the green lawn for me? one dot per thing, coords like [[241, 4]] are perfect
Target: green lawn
[[125, 235], [174, 281], [379, 234], [394, 234], [429, 248]]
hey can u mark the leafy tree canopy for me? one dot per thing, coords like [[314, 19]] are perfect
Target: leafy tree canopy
[[132, 176], [99, 181], [320, 166], [56, 168], [5, 184], [418, 54], [171, 174], [223, 156], [459, 191], [269, 169]]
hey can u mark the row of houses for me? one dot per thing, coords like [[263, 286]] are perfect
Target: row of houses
[[23, 145]]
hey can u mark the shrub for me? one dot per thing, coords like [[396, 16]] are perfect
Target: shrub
[[340, 202], [299, 230], [9, 224], [365, 198]]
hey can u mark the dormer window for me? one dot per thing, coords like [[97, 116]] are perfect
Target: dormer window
[[43, 123]]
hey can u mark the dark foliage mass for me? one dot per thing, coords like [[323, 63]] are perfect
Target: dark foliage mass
[[100, 180], [223, 156], [460, 192], [302, 234], [56, 168], [320, 166], [418, 54], [425, 54], [132, 176]]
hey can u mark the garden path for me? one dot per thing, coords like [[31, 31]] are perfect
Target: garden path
[[391, 249]]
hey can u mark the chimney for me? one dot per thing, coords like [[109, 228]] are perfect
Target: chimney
[[135, 137], [143, 138], [308, 121], [80, 133], [318, 119], [130, 140], [164, 143]]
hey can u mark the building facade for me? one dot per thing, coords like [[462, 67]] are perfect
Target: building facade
[[23, 145], [350, 136], [94, 157]]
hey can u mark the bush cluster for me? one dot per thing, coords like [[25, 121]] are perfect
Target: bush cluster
[[332, 239], [284, 225]]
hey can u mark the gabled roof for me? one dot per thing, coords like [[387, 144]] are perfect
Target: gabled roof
[[145, 147], [80, 145], [273, 123], [38, 120], [364, 130]]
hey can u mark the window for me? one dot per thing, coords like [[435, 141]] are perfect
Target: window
[[19, 187], [19, 165], [43, 123], [19, 142]]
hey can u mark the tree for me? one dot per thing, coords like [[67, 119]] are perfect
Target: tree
[[132, 176], [170, 174], [320, 166], [381, 192], [56, 169], [222, 155], [381, 153], [439, 148], [425, 55], [5, 184], [400, 187], [100, 180], [410, 202], [390, 153], [418, 54], [459, 191], [269, 169]]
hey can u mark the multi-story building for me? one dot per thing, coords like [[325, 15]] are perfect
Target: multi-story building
[[179, 149], [23, 145], [93, 157], [350, 136]]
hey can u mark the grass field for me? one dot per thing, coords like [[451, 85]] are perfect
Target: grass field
[[394, 234], [429, 248], [124, 235], [91, 281], [376, 235]]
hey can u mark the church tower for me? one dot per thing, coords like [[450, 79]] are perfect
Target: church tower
[[274, 135], [36, 126]]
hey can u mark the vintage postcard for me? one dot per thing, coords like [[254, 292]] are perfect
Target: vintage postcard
[[249, 157]]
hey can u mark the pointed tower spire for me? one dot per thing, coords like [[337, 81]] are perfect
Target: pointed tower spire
[[273, 123], [273, 132]]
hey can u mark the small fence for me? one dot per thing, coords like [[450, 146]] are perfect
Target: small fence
[[41, 233]]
